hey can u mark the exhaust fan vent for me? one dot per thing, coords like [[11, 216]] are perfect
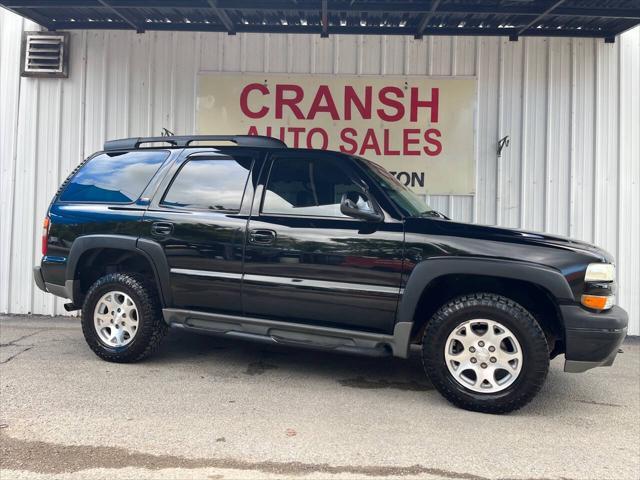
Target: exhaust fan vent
[[45, 54]]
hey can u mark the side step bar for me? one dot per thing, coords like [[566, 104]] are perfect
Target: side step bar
[[297, 334]]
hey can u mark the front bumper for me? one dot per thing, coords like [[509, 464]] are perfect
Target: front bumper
[[592, 339]]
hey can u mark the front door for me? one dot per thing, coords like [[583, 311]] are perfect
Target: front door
[[306, 262]]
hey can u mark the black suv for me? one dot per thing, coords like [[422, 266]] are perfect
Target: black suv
[[318, 249]]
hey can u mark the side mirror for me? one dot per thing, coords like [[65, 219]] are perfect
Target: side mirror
[[357, 205]]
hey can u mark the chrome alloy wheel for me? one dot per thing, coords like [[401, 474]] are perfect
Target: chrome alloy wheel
[[483, 355], [116, 319]]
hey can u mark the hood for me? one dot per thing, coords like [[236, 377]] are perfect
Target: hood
[[514, 237]]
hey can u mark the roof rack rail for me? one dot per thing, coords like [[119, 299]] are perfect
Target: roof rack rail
[[185, 140]]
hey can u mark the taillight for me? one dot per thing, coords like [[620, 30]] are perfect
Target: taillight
[[45, 235]]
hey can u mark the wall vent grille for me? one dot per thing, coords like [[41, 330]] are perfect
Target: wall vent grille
[[45, 54]]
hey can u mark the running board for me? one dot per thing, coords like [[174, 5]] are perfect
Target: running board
[[297, 334]]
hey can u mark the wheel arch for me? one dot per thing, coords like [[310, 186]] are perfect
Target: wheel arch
[[119, 249], [433, 282]]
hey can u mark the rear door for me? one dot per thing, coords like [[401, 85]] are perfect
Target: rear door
[[307, 262], [199, 216]]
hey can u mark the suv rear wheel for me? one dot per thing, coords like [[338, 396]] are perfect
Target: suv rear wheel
[[122, 319], [485, 352]]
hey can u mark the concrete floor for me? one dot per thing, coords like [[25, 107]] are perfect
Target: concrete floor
[[214, 408]]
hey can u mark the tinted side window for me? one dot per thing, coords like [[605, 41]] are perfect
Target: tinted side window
[[114, 177], [212, 184], [300, 186]]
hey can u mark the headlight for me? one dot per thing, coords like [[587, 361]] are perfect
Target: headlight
[[600, 272], [599, 286]]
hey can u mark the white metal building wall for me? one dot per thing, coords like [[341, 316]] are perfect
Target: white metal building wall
[[570, 106]]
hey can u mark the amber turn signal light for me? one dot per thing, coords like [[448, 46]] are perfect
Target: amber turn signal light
[[597, 302]]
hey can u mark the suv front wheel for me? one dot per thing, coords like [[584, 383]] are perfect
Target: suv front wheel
[[122, 319], [485, 352]]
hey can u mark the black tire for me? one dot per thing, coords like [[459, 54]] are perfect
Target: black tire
[[151, 326], [535, 352]]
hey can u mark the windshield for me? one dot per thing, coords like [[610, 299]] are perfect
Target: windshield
[[410, 203]]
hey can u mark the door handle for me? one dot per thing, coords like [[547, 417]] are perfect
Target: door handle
[[262, 236], [161, 228]]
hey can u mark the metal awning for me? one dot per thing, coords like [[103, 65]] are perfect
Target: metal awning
[[512, 18]]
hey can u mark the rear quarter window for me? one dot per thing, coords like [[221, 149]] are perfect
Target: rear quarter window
[[114, 177]]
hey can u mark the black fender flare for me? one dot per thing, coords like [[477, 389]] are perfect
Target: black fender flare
[[429, 270], [149, 249]]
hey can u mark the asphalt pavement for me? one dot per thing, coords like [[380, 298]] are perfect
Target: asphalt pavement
[[215, 408]]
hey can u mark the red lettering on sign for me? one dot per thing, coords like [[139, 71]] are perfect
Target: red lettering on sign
[[370, 142], [244, 100], [323, 95], [346, 135], [387, 141], [292, 103], [351, 98], [436, 144], [408, 140], [323, 133], [296, 135], [430, 104], [383, 96]]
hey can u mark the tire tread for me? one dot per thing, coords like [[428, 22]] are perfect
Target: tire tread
[[532, 330], [153, 328]]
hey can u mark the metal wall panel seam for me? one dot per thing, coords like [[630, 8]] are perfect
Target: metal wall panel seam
[[57, 156], [572, 139], [198, 66], [150, 83], [405, 64], [383, 55], [335, 66], [596, 146], [498, 202], [30, 240], [621, 266], [359, 54], [453, 60], [127, 93], [243, 53], [430, 59], [83, 90], [549, 114], [171, 120], [105, 60], [220, 48], [17, 234], [523, 128], [477, 127], [313, 55]]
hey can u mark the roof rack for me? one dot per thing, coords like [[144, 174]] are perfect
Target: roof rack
[[185, 140]]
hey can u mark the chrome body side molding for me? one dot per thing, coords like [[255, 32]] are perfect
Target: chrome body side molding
[[292, 281], [206, 273]]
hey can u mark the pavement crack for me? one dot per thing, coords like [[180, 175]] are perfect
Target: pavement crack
[[602, 404], [11, 357], [14, 343]]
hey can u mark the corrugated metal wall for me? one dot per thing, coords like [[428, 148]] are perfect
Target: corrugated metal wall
[[570, 106]]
